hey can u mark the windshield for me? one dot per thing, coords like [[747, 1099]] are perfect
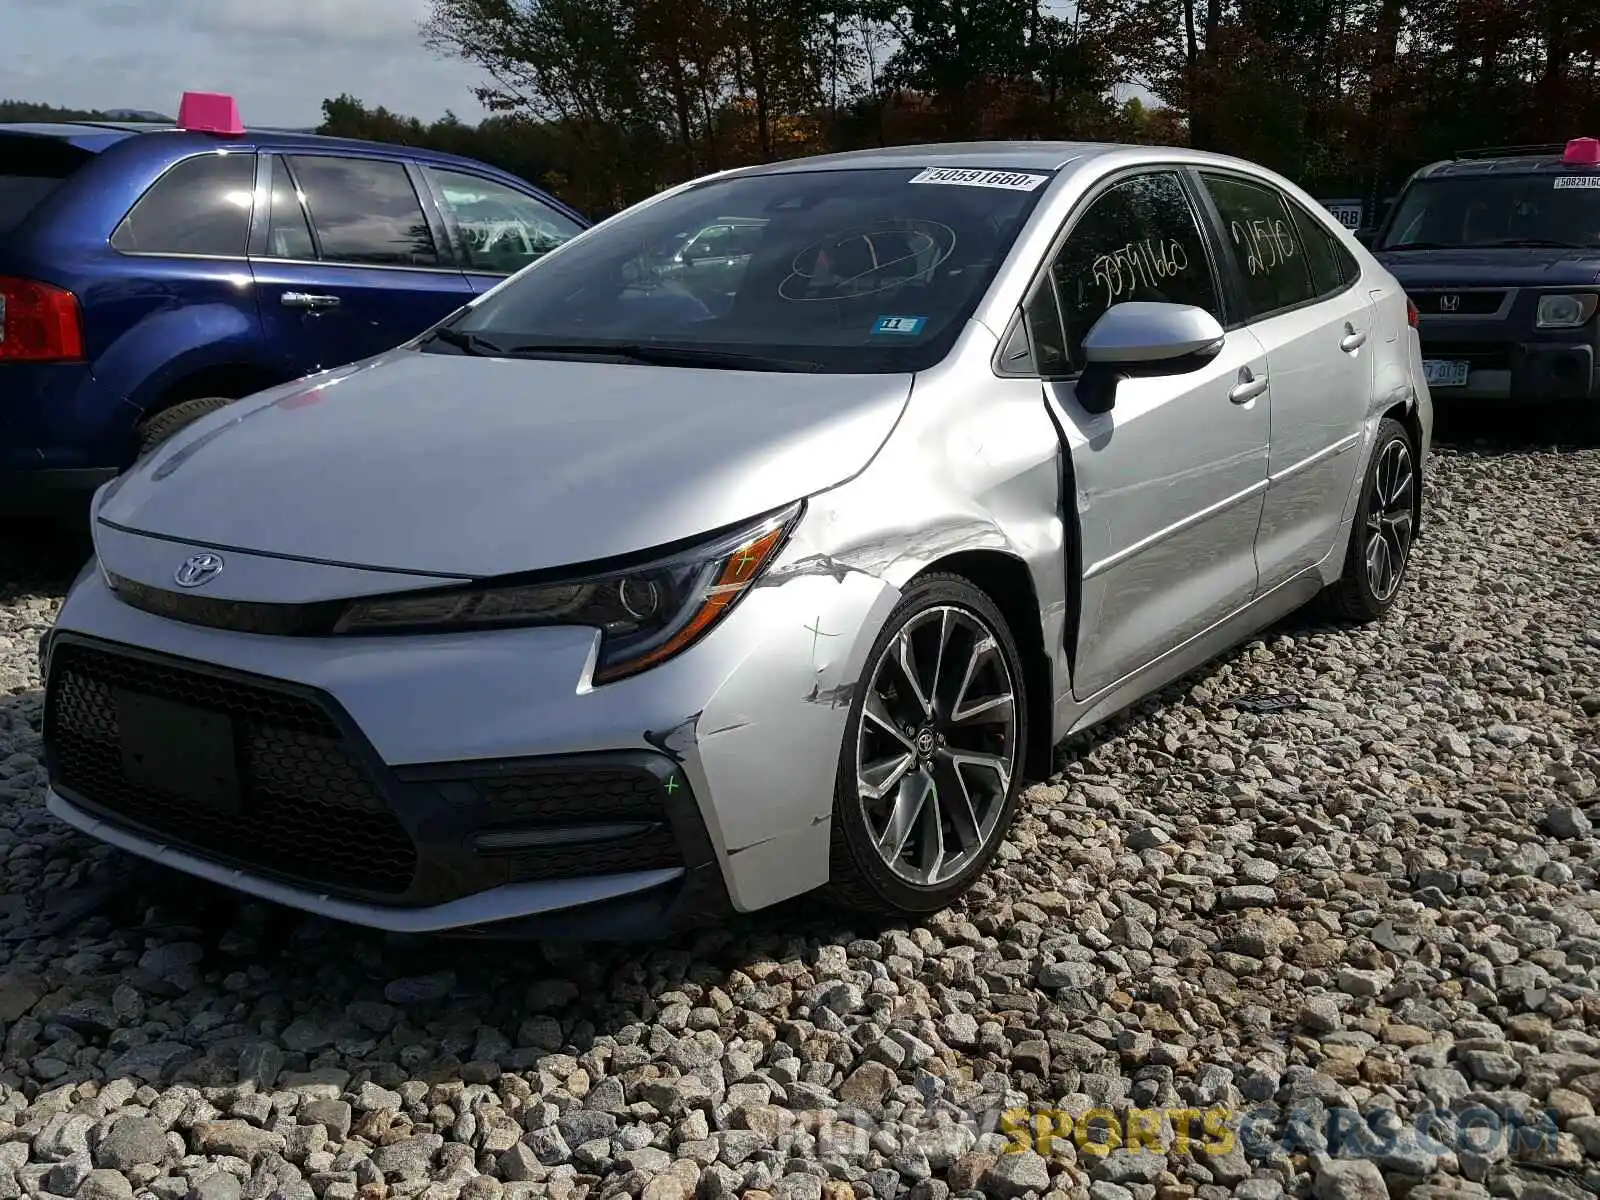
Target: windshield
[[865, 270], [1487, 211]]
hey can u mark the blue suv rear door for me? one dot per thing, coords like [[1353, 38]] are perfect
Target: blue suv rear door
[[348, 260]]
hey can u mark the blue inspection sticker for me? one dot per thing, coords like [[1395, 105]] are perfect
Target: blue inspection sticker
[[906, 325]]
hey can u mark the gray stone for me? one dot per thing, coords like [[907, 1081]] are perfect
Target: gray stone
[[1015, 1173], [1349, 1179], [420, 989], [104, 1184], [132, 1141]]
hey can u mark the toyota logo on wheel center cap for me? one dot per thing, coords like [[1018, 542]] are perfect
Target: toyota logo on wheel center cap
[[198, 569]]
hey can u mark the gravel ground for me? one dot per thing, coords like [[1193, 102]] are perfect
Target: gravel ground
[[1380, 900]]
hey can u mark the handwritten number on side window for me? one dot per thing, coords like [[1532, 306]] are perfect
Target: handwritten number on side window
[[1123, 272], [1267, 244]]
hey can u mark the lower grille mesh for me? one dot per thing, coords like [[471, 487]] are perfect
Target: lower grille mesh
[[310, 810]]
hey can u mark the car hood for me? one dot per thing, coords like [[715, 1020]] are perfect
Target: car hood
[[462, 466], [1508, 267]]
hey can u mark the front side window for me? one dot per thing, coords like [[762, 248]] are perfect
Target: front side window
[[200, 206], [365, 211], [1525, 211], [501, 229], [1137, 240], [1266, 244], [863, 269]]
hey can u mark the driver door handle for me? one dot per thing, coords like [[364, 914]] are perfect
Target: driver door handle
[[1250, 386], [307, 300], [1353, 338]]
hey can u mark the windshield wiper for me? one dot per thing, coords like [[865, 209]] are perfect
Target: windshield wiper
[[662, 356], [461, 340], [1418, 246]]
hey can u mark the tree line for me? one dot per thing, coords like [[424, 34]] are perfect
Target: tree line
[[605, 102]]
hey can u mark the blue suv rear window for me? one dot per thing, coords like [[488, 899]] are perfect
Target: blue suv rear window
[[30, 169]]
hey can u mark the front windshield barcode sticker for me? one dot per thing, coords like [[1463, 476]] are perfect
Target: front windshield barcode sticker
[[1575, 181], [1011, 181], [906, 325]]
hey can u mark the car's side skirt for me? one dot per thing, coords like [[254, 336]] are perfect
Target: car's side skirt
[[1073, 715]]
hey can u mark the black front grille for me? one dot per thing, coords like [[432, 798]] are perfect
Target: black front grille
[[1444, 302], [310, 810]]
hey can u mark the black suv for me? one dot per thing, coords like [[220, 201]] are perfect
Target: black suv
[[1500, 251]]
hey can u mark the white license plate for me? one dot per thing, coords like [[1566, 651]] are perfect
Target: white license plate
[[1441, 372]]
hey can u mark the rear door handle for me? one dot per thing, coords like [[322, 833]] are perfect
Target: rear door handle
[[1353, 339], [1250, 386], [307, 300]]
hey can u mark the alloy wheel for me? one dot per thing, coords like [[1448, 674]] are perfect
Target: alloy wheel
[[937, 747], [1389, 520]]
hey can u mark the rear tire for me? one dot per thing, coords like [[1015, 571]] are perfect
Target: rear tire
[[1387, 513], [930, 773], [159, 426]]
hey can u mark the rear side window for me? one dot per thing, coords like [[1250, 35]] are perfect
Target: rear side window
[[200, 206], [30, 169], [1272, 260], [365, 211], [501, 230]]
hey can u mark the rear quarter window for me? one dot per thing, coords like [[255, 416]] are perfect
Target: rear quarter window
[[200, 206], [30, 169], [1332, 267]]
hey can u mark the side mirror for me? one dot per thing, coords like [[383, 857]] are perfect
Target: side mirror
[[1144, 338]]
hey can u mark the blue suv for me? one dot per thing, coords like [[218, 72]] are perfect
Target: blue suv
[[152, 273], [1499, 250]]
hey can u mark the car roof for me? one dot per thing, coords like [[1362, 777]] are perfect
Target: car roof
[[86, 135], [1035, 156], [996, 155], [1500, 160], [97, 135]]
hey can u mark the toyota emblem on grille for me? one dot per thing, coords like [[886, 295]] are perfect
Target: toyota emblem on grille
[[198, 569], [1449, 303]]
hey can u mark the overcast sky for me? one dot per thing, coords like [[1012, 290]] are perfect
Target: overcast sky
[[281, 58]]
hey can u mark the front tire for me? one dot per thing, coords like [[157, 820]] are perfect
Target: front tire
[[159, 426], [1385, 527], [930, 773]]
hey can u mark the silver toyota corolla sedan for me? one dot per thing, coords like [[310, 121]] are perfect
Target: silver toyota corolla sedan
[[657, 583]]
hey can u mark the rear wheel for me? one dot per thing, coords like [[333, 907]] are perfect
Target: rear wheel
[[930, 772], [1386, 519], [159, 426]]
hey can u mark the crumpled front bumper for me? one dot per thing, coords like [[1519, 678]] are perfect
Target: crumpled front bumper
[[718, 765]]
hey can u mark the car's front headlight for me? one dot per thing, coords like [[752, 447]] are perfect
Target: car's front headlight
[[1564, 312], [646, 614]]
